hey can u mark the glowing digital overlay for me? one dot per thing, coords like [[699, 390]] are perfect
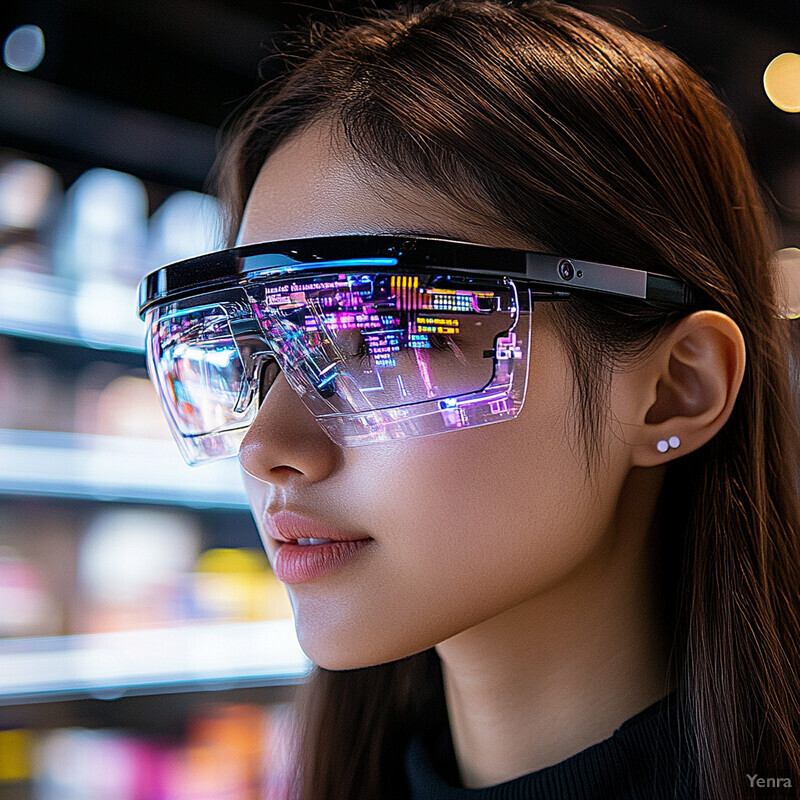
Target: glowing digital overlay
[[374, 355]]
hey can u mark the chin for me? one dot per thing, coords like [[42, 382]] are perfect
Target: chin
[[339, 653]]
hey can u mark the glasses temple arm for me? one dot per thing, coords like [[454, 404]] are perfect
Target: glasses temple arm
[[607, 278]]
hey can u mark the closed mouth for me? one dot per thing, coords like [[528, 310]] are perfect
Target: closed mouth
[[289, 527]]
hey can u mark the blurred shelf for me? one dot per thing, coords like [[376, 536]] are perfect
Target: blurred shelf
[[97, 315], [184, 658], [51, 463]]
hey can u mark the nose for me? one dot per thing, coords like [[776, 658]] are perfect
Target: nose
[[285, 443]]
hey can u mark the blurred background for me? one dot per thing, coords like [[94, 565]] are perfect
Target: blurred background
[[146, 649]]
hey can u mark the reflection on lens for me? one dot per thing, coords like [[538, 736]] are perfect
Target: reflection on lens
[[369, 341], [199, 368], [373, 356]]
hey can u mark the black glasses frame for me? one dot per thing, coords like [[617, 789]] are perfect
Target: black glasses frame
[[558, 274]]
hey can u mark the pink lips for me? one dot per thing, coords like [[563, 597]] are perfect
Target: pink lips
[[295, 563], [289, 526]]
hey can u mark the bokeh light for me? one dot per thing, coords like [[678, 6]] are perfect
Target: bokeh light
[[24, 48], [782, 81], [27, 190]]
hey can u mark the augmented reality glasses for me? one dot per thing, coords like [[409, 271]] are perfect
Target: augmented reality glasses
[[381, 337]]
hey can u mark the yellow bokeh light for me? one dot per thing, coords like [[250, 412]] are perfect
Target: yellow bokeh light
[[782, 81]]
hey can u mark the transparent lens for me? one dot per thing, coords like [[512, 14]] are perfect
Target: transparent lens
[[356, 343], [375, 356], [195, 363]]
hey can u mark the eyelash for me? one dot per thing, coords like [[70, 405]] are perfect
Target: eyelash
[[437, 341]]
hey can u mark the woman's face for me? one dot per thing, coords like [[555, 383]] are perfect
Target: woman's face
[[466, 524]]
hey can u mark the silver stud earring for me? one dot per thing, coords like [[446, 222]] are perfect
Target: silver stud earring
[[665, 445]]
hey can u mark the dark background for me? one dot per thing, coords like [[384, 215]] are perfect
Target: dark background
[[143, 86]]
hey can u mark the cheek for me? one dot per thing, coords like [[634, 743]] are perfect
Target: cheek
[[483, 518], [468, 525]]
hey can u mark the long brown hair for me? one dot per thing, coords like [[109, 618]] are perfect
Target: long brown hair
[[563, 127]]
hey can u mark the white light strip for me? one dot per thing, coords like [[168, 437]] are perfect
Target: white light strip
[[113, 467], [47, 307], [108, 664]]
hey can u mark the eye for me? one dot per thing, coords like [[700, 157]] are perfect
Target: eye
[[437, 341], [362, 353], [349, 342]]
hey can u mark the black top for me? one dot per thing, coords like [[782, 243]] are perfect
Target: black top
[[647, 757]]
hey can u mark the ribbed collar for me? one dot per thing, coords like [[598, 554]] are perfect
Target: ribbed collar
[[646, 757]]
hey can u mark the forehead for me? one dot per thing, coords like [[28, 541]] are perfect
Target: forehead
[[313, 186]]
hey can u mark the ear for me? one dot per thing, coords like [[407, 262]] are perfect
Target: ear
[[686, 388]]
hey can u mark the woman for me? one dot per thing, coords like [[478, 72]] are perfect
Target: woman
[[599, 596]]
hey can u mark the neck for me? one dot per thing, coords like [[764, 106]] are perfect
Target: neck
[[561, 671]]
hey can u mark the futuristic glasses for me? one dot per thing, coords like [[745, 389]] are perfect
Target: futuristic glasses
[[381, 337]]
